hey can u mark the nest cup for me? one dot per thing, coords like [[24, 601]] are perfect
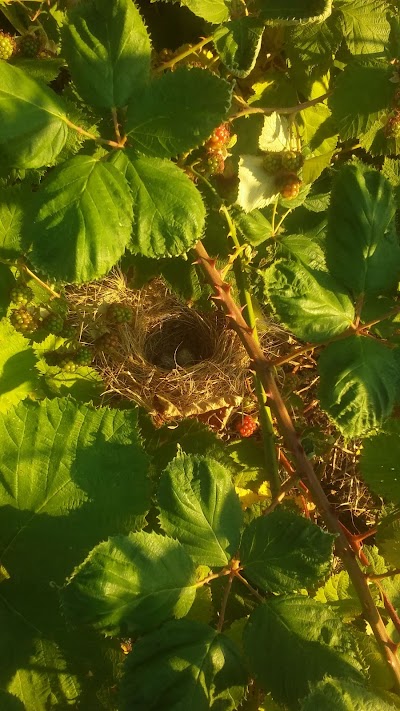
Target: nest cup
[[170, 358]]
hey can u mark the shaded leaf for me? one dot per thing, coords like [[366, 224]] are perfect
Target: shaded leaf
[[131, 584], [108, 51], [83, 221], [380, 461], [388, 534], [14, 208], [344, 695], [293, 641], [303, 295], [358, 383], [199, 507], [283, 552], [238, 43], [293, 11], [194, 666], [363, 251]]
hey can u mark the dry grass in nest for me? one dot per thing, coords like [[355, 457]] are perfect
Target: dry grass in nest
[[170, 359]]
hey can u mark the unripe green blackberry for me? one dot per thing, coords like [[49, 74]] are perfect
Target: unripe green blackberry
[[53, 323], [292, 161], [21, 294], [69, 331], [107, 343], [68, 365], [29, 45], [23, 321], [83, 357], [288, 185], [7, 46], [119, 313], [215, 163], [272, 162]]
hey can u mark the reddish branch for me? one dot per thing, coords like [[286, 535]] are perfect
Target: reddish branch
[[303, 465]]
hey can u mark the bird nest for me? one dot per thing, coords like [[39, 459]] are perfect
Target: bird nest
[[170, 358]]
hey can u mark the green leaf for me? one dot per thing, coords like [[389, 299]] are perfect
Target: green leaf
[[254, 227], [177, 112], [283, 552], [214, 11], [83, 222], [344, 695], [388, 535], [108, 51], [44, 69], [358, 384], [294, 11], [292, 642], [18, 376], [168, 210], [304, 296], [199, 506], [339, 593], [84, 384], [365, 26], [380, 461], [45, 679], [194, 667], [275, 134], [33, 127], [318, 130], [363, 251], [238, 43], [354, 109], [131, 584], [391, 171], [14, 210]]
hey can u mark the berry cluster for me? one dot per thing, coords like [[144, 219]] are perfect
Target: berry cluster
[[23, 320], [284, 165], [70, 360], [246, 426], [119, 313], [107, 343], [7, 46], [21, 295], [216, 148]]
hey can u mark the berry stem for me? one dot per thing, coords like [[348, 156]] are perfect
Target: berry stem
[[279, 109], [183, 55], [267, 428], [43, 284], [303, 464]]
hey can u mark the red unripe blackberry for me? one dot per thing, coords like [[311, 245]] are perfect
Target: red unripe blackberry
[[23, 321], [53, 323], [292, 161], [83, 357], [272, 162], [219, 137], [21, 294], [29, 45], [7, 46], [107, 343], [288, 185], [119, 313], [392, 125], [247, 426]]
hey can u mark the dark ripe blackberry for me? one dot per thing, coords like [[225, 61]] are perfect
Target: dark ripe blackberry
[[53, 323], [107, 343], [83, 357], [292, 160], [68, 365], [7, 46], [21, 294], [23, 321], [29, 45], [272, 162], [119, 313]]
